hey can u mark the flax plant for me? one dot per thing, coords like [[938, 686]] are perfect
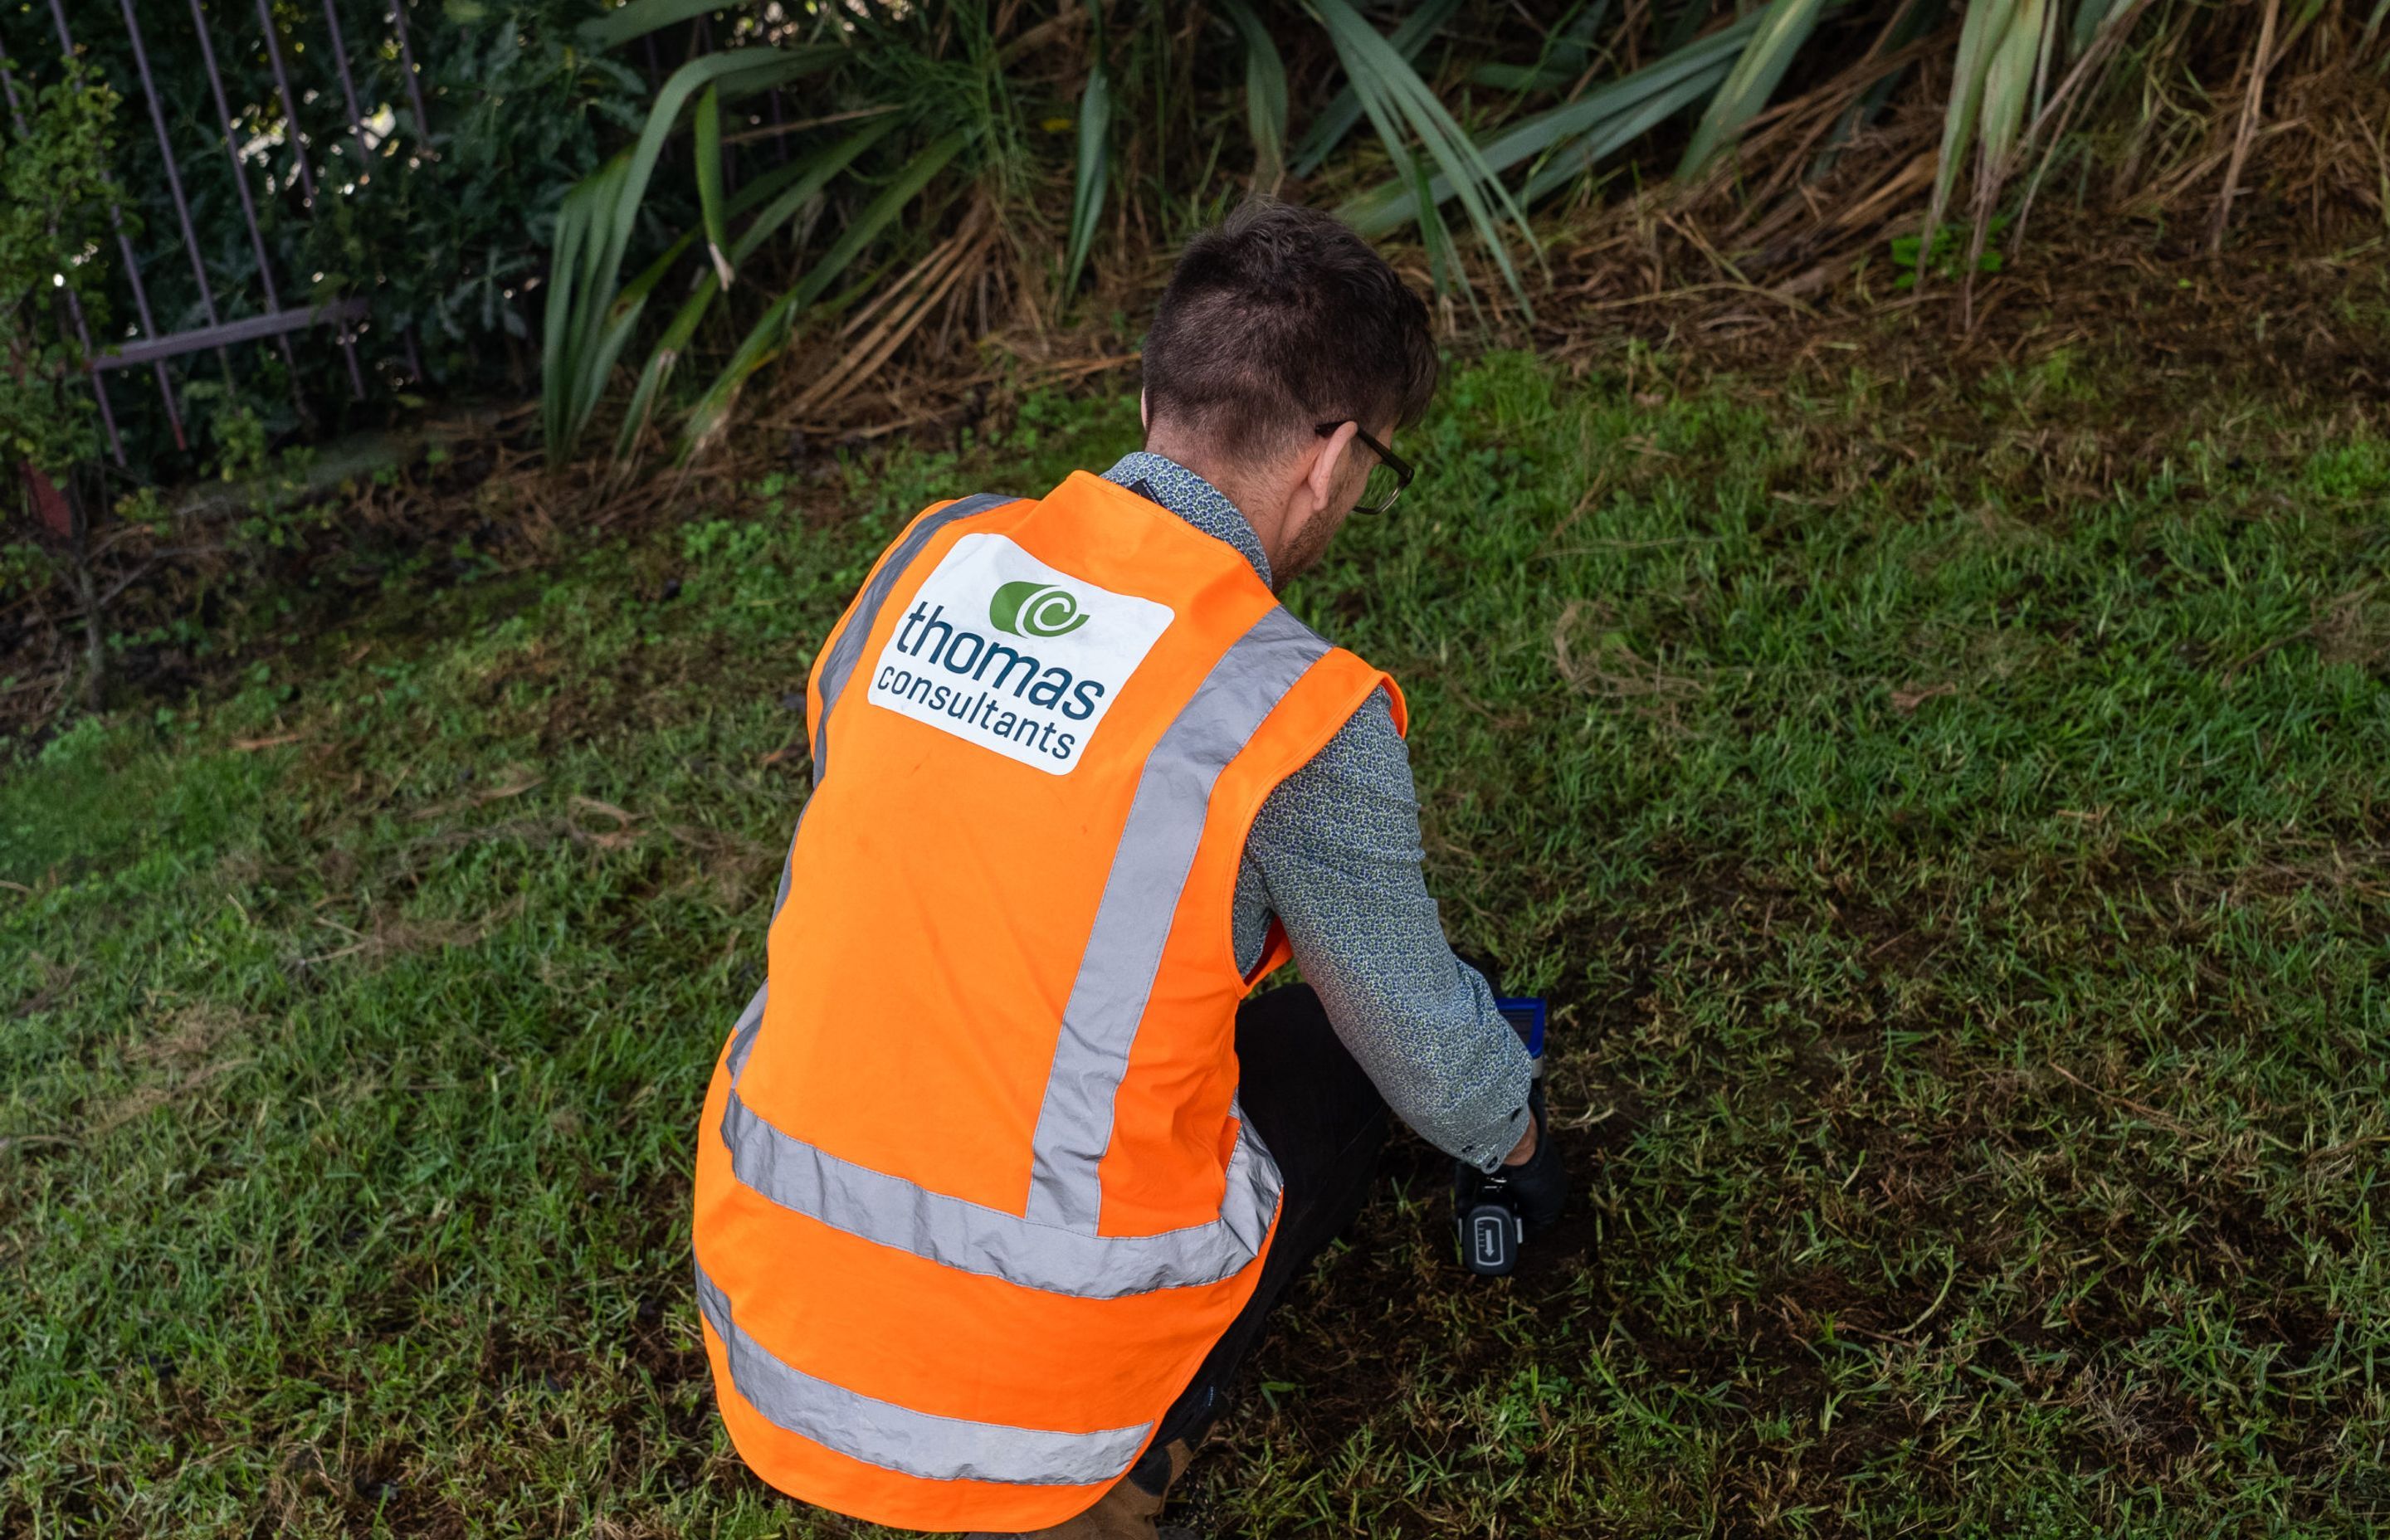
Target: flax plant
[[909, 113]]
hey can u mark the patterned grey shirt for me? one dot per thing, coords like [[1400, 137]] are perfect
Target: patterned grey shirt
[[1335, 855]]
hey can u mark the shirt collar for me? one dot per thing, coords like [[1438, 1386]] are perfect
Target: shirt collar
[[1191, 498]]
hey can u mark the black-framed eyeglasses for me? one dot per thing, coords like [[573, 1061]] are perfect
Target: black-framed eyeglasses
[[1387, 477]]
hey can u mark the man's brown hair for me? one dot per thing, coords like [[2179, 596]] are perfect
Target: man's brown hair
[[1280, 318]]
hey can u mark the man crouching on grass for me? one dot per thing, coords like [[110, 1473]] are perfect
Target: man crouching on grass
[[1002, 1171]]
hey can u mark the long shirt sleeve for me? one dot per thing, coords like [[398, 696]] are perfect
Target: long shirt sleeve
[[1335, 855]]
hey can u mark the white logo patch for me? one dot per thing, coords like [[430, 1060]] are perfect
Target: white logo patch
[[1004, 651]]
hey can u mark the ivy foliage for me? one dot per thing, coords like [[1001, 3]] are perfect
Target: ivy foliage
[[56, 190]]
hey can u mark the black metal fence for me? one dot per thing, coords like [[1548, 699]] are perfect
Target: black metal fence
[[200, 312], [293, 239]]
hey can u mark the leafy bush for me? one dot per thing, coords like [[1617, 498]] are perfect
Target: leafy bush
[[523, 113], [442, 233], [55, 192]]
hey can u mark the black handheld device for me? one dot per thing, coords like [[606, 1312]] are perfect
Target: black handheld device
[[1488, 1225]]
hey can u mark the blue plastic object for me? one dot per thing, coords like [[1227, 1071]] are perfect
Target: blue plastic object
[[1525, 1014]]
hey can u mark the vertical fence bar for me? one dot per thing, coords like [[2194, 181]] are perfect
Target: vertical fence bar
[[74, 306], [413, 87], [299, 148], [132, 265], [289, 103], [358, 127], [422, 137], [175, 182], [348, 91], [240, 185]]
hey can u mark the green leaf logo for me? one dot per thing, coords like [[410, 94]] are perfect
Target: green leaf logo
[[1035, 610]]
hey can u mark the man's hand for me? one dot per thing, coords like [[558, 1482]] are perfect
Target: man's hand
[[1539, 1182], [1531, 1171]]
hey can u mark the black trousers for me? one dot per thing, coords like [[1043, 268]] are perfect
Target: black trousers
[[1325, 1124]]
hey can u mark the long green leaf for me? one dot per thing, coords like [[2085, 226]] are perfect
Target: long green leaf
[[1401, 98], [1408, 173], [1581, 154], [771, 330], [709, 183], [1093, 171], [640, 17], [1674, 32], [1785, 28], [1265, 94], [1343, 113], [1917, 18], [813, 175], [585, 325], [1563, 59], [2008, 84], [802, 181], [737, 72], [576, 221], [1979, 37], [2093, 14], [1386, 119], [1562, 130]]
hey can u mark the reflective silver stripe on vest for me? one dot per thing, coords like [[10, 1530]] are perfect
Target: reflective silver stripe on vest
[[1054, 1247], [839, 666], [1139, 905], [898, 1438], [848, 651], [742, 1032], [972, 1238]]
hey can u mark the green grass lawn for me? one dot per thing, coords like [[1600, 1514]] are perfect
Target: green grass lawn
[[1957, 856]]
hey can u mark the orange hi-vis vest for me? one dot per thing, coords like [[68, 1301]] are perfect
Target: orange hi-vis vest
[[974, 1198]]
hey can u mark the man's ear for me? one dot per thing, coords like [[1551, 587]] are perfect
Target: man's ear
[[1144, 417], [1320, 481]]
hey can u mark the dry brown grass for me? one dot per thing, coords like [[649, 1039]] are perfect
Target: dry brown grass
[[174, 1057]]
